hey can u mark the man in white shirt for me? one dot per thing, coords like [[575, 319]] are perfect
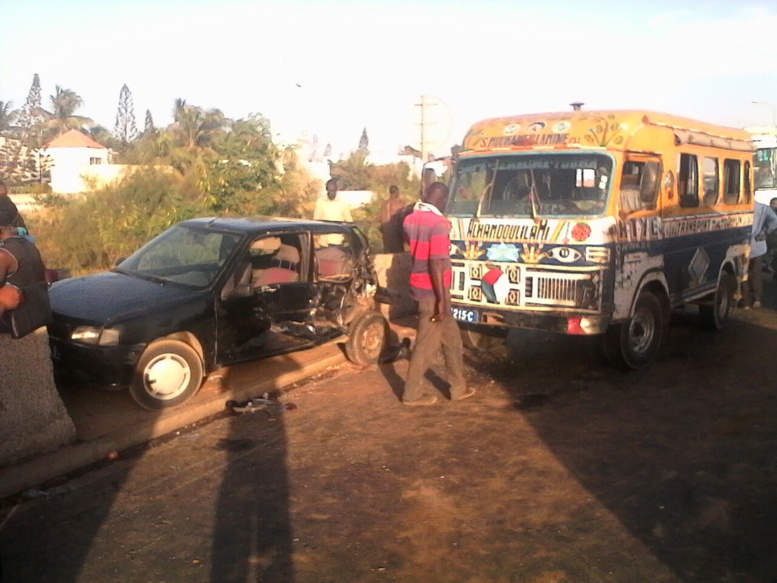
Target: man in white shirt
[[331, 209], [764, 222]]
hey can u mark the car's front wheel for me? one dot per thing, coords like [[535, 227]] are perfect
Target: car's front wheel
[[168, 374]]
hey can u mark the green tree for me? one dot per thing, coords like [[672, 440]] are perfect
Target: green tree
[[148, 127], [32, 113], [195, 127], [364, 142], [219, 166], [103, 136], [62, 117], [353, 173], [125, 128], [8, 117], [236, 178]]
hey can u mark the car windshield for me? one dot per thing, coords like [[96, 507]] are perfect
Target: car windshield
[[183, 254], [531, 185]]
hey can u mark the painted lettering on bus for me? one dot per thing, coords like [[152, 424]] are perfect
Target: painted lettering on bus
[[527, 140], [505, 232]]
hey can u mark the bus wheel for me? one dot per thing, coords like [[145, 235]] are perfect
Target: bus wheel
[[635, 343], [481, 341], [714, 315]]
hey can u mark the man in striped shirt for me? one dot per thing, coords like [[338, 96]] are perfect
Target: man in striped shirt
[[428, 232]]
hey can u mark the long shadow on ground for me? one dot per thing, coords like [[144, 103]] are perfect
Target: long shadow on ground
[[681, 453]]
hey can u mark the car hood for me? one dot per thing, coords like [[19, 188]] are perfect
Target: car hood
[[112, 296]]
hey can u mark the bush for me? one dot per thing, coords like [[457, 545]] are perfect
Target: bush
[[90, 232], [35, 188]]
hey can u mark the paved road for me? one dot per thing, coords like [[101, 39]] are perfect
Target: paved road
[[557, 471]]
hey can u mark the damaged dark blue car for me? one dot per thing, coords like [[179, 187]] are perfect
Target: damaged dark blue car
[[212, 292]]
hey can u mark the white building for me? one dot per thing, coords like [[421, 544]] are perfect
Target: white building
[[75, 158]]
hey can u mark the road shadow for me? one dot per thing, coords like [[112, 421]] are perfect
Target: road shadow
[[682, 453], [59, 532], [252, 533], [48, 532]]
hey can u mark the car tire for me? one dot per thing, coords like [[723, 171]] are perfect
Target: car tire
[[168, 374], [635, 343], [367, 338], [715, 315]]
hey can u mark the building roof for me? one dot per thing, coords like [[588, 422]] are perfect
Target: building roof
[[74, 139]]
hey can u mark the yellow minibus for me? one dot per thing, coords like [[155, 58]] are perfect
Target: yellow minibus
[[599, 222]]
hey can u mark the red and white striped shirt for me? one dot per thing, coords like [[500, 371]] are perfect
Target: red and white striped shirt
[[429, 234]]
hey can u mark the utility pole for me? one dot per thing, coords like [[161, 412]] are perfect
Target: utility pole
[[426, 102]]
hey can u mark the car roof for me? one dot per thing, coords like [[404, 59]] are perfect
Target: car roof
[[259, 224]]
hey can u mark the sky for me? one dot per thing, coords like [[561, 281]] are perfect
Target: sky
[[331, 68]]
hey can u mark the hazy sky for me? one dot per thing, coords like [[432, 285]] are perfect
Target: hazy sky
[[334, 67]]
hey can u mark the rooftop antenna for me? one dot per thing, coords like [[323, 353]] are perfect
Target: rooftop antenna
[[577, 105]]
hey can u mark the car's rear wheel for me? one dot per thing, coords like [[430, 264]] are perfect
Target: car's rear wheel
[[168, 374], [367, 338]]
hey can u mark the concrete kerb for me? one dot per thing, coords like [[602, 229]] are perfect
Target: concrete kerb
[[30, 473]]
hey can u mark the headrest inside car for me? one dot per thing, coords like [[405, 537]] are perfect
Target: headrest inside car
[[268, 244]]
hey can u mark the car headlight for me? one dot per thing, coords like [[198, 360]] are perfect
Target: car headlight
[[93, 335]]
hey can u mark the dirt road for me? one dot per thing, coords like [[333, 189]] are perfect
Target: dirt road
[[559, 470]]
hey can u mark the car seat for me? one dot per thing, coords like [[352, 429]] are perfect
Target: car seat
[[333, 261], [284, 267]]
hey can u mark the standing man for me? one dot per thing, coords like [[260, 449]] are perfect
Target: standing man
[[770, 259], [331, 209], [430, 278], [764, 222], [391, 223]]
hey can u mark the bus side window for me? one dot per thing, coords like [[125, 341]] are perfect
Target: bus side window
[[639, 186], [731, 181], [688, 181], [748, 189], [710, 170]]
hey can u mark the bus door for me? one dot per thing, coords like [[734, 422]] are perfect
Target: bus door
[[639, 247]]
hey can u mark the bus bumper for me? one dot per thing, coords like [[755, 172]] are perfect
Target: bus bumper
[[574, 324]]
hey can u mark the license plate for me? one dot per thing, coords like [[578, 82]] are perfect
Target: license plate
[[465, 315]]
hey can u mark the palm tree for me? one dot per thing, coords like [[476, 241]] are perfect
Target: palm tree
[[196, 128], [8, 116], [62, 117]]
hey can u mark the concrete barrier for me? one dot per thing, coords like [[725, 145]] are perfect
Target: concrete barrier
[[393, 271], [33, 419]]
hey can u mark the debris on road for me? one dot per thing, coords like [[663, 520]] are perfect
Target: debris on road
[[264, 403]]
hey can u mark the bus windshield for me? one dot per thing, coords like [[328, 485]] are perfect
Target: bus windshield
[[531, 185]]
